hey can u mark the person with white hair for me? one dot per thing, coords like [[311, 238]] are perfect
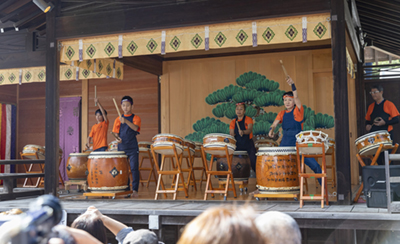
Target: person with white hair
[[278, 228]]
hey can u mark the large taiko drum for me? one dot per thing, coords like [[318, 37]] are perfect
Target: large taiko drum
[[368, 144], [218, 140], [265, 143], [188, 144], [276, 170], [162, 140], [312, 137], [197, 149], [113, 146], [108, 172], [77, 166], [144, 146], [240, 166], [30, 148]]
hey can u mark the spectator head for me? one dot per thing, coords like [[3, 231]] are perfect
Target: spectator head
[[277, 227], [141, 237], [223, 226], [91, 224]]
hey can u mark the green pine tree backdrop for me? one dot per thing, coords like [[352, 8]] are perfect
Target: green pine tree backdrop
[[258, 93]]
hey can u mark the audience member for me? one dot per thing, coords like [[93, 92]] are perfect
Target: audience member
[[278, 228], [92, 224]]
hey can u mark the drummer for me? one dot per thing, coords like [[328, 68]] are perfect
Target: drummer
[[382, 114], [292, 119], [244, 134], [98, 134]]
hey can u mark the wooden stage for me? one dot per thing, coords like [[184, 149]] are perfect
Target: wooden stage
[[166, 217]]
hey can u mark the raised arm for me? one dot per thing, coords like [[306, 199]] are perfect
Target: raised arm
[[294, 90], [96, 100]]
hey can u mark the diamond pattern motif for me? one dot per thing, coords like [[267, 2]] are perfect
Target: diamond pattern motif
[[132, 47], [320, 30], [70, 52], [98, 74], [152, 45], [88, 63], [1, 79], [109, 49], [28, 76], [68, 74], [41, 75], [196, 41], [291, 32], [268, 35], [220, 39], [119, 73], [239, 166], [91, 51], [12, 78], [85, 73], [101, 66], [109, 69], [241, 37], [114, 172], [175, 43]]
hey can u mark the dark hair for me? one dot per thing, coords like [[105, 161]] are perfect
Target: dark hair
[[99, 111], [289, 93], [244, 105], [127, 98], [92, 225], [378, 87]]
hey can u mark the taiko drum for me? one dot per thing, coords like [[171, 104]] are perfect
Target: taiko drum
[[188, 145], [108, 172], [113, 146], [309, 138], [30, 148], [276, 170], [240, 166], [164, 140], [369, 143], [77, 166], [144, 146], [218, 140]]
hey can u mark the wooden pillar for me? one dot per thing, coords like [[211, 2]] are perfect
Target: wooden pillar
[[360, 99], [340, 98], [52, 105], [85, 113]]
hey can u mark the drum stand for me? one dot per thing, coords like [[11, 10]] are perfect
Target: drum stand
[[40, 180], [229, 176], [113, 195], [374, 159], [147, 155], [303, 175], [176, 172], [82, 184], [191, 181], [203, 170]]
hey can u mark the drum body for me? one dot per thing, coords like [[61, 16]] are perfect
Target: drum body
[[108, 171], [144, 146], [368, 144], [312, 137], [188, 144], [197, 149], [34, 149], [162, 140], [215, 140], [77, 166], [276, 170], [265, 143], [240, 166]]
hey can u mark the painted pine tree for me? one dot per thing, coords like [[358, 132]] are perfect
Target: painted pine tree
[[258, 93]]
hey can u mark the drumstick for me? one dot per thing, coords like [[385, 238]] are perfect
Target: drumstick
[[116, 106], [95, 94], [284, 70], [237, 123], [116, 137]]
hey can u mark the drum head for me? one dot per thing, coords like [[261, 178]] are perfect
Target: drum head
[[79, 154], [112, 154], [220, 135], [166, 135], [276, 151]]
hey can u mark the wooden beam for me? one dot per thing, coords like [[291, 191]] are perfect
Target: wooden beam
[[22, 60], [351, 28], [151, 64], [340, 98], [52, 106], [360, 98], [181, 15], [85, 113]]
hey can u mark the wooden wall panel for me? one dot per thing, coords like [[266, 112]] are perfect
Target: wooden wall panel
[[200, 77], [141, 86], [8, 94]]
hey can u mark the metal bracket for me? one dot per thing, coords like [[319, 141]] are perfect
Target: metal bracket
[[154, 222]]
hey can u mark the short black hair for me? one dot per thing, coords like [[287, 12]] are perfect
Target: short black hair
[[127, 98], [99, 111], [289, 93], [378, 87], [244, 105]]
